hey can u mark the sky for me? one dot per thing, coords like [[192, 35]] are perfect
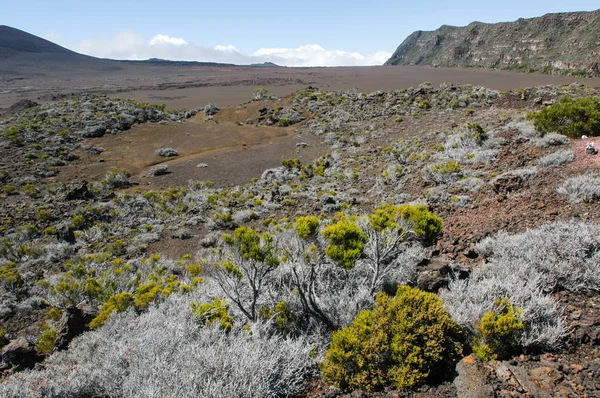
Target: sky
[[288, 33]]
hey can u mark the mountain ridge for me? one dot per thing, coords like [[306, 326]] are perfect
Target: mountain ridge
[[559, 43], [23, 53]]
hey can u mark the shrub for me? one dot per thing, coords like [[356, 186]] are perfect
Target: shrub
[[159, 170], [346, 242], [498, 331], [551, 139], [117, 178], [526, 268], [585, 188], [47, 341], [213, 313], [10, 279], [3, 339], [443, 173], [425, 224], [405, 341], [565, 253], [307, 227], [571, 117], [117, 303], [244, 267], [557, 159], [293, 163], [165, 353], [211, 109]]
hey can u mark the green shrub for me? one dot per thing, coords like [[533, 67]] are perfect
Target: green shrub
[[3, 339], [405, 341], [449, 167], [117, 178], [290, 164], [9, 189], [31, 190], [146, 294], [54, 314], [426, 224], [117, 303], [212, 313], [253, 245], [47, 341], [497, 332], [118, 248], [307, 227], [570, 117], [77, 223], [44, 216], [10, 279], [346, 242]]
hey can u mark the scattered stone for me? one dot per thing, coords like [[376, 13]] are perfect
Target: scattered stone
[[507, 183], [96, 150], [64, 233], [78, 191], [201, 165], [94, 131], [158, 171], [166, 152], [590, 149], [211, 109], [472, 379]]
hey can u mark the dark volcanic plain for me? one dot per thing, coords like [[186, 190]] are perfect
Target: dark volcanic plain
[[189, 86]]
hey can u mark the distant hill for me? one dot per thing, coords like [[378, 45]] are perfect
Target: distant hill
[[14, 42], [24, 54], [564, 43]]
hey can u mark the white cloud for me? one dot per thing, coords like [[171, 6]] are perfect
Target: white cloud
[[164, 39], [132, 45], [228, 49], [315, 55]]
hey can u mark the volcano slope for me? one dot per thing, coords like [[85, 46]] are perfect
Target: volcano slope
[[120, 277]]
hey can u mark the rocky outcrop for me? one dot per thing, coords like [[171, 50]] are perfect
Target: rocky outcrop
[[563, 43]]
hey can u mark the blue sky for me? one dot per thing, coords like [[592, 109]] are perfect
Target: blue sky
[[302, 33]]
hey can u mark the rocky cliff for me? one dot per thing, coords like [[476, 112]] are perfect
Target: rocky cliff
[[563, 43]]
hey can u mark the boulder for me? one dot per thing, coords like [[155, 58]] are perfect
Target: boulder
[[74, 321], [19, 353], [472, 379]]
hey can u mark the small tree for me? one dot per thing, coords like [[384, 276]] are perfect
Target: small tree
[[570, 117], [244, 266]]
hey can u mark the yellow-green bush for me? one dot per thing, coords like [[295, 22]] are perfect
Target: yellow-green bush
[[10, 279], [497, 332], [3, 339], [425, 224], [253, 245], [307, 227], [117, 303], [47, 340], [405, 341], [571, 117], [346, 242], [215, 312]]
